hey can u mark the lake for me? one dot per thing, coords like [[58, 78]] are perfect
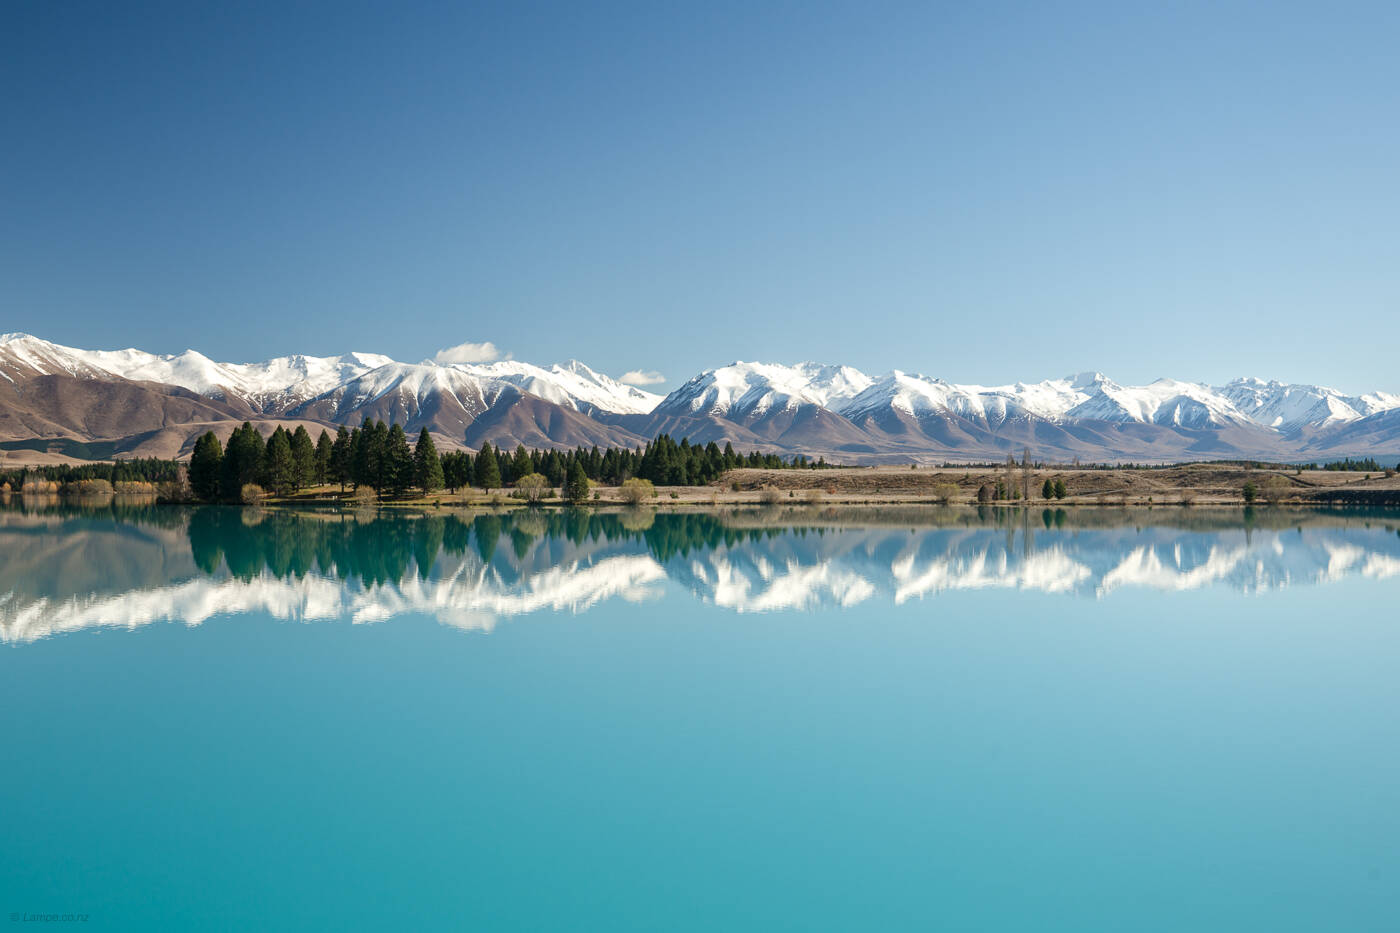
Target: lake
[[784, 719]]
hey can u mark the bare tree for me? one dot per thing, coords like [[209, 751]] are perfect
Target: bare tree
[[1274, 489]]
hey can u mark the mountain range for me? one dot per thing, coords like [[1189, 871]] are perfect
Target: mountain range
[[132, 403]]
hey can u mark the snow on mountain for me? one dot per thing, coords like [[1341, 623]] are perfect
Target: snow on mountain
[[1081, 397], [283, 383], [570, 384], [919, 395], [21, 354], [404, 392], [1163, 402], [743, 389], [795, 406], [272, 385], [1289, 407]]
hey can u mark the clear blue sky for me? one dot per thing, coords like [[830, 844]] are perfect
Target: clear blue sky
[[983, 192]]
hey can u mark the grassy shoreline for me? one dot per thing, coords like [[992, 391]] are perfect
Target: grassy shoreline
[[1195, 485]]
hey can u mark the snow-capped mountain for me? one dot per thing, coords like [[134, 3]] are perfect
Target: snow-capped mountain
[[1291, 407], [918, 395], [572, 384], [156, 404], [271, 386], [740, 389]]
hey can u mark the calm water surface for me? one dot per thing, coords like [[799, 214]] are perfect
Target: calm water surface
[[217, 719]]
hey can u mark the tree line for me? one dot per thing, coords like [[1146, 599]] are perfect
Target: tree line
[[137, 470], [379, 457]]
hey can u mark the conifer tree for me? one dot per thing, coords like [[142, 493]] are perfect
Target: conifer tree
[[1048, 490], [204, 466], [520, 464], [339, 471], [427, 466], [279, 465], [576, 488], [303, 458], [242, 461], [488, 472], [324, 447], [397, 461], [380, 465]]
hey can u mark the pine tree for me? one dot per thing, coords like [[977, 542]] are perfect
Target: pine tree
[[204, 466], [303, 458], [427, 466], [520, 464], [324, 447], [242, 461], [488, 473], [278, 464], [397, 461], [456, 469], [576, 489], [1048, 490], [1060, 490], [340, 458]]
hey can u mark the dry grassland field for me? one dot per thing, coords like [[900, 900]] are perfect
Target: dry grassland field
[[1196, 485]]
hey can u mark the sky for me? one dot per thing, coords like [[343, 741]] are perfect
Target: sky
[[981, 192]]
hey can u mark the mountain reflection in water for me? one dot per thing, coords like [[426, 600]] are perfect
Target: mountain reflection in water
[[64, 568]]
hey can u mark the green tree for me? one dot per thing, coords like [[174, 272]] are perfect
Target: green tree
[[1250, 491], [521, 464], [279, 466], [1047, 491], [324, 448], [242, 461], [456, 469], [427, 466], [204, 466], [340, 458], [303, 458], [576, 487], [398, 461], [488, 472], [1060, 490]]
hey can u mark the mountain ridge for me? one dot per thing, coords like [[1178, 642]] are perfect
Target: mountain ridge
[[51, 391]]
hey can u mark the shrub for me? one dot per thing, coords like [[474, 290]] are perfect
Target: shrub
[[88, 487], [531, 487], [770, 496], [812, 497], [635, 491], [250, 494], [1275, 488], [945, 493]]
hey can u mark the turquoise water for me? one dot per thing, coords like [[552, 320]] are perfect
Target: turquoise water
[[800, 720]]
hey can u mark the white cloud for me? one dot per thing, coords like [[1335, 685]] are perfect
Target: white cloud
[[470, 353], [642, 377]]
